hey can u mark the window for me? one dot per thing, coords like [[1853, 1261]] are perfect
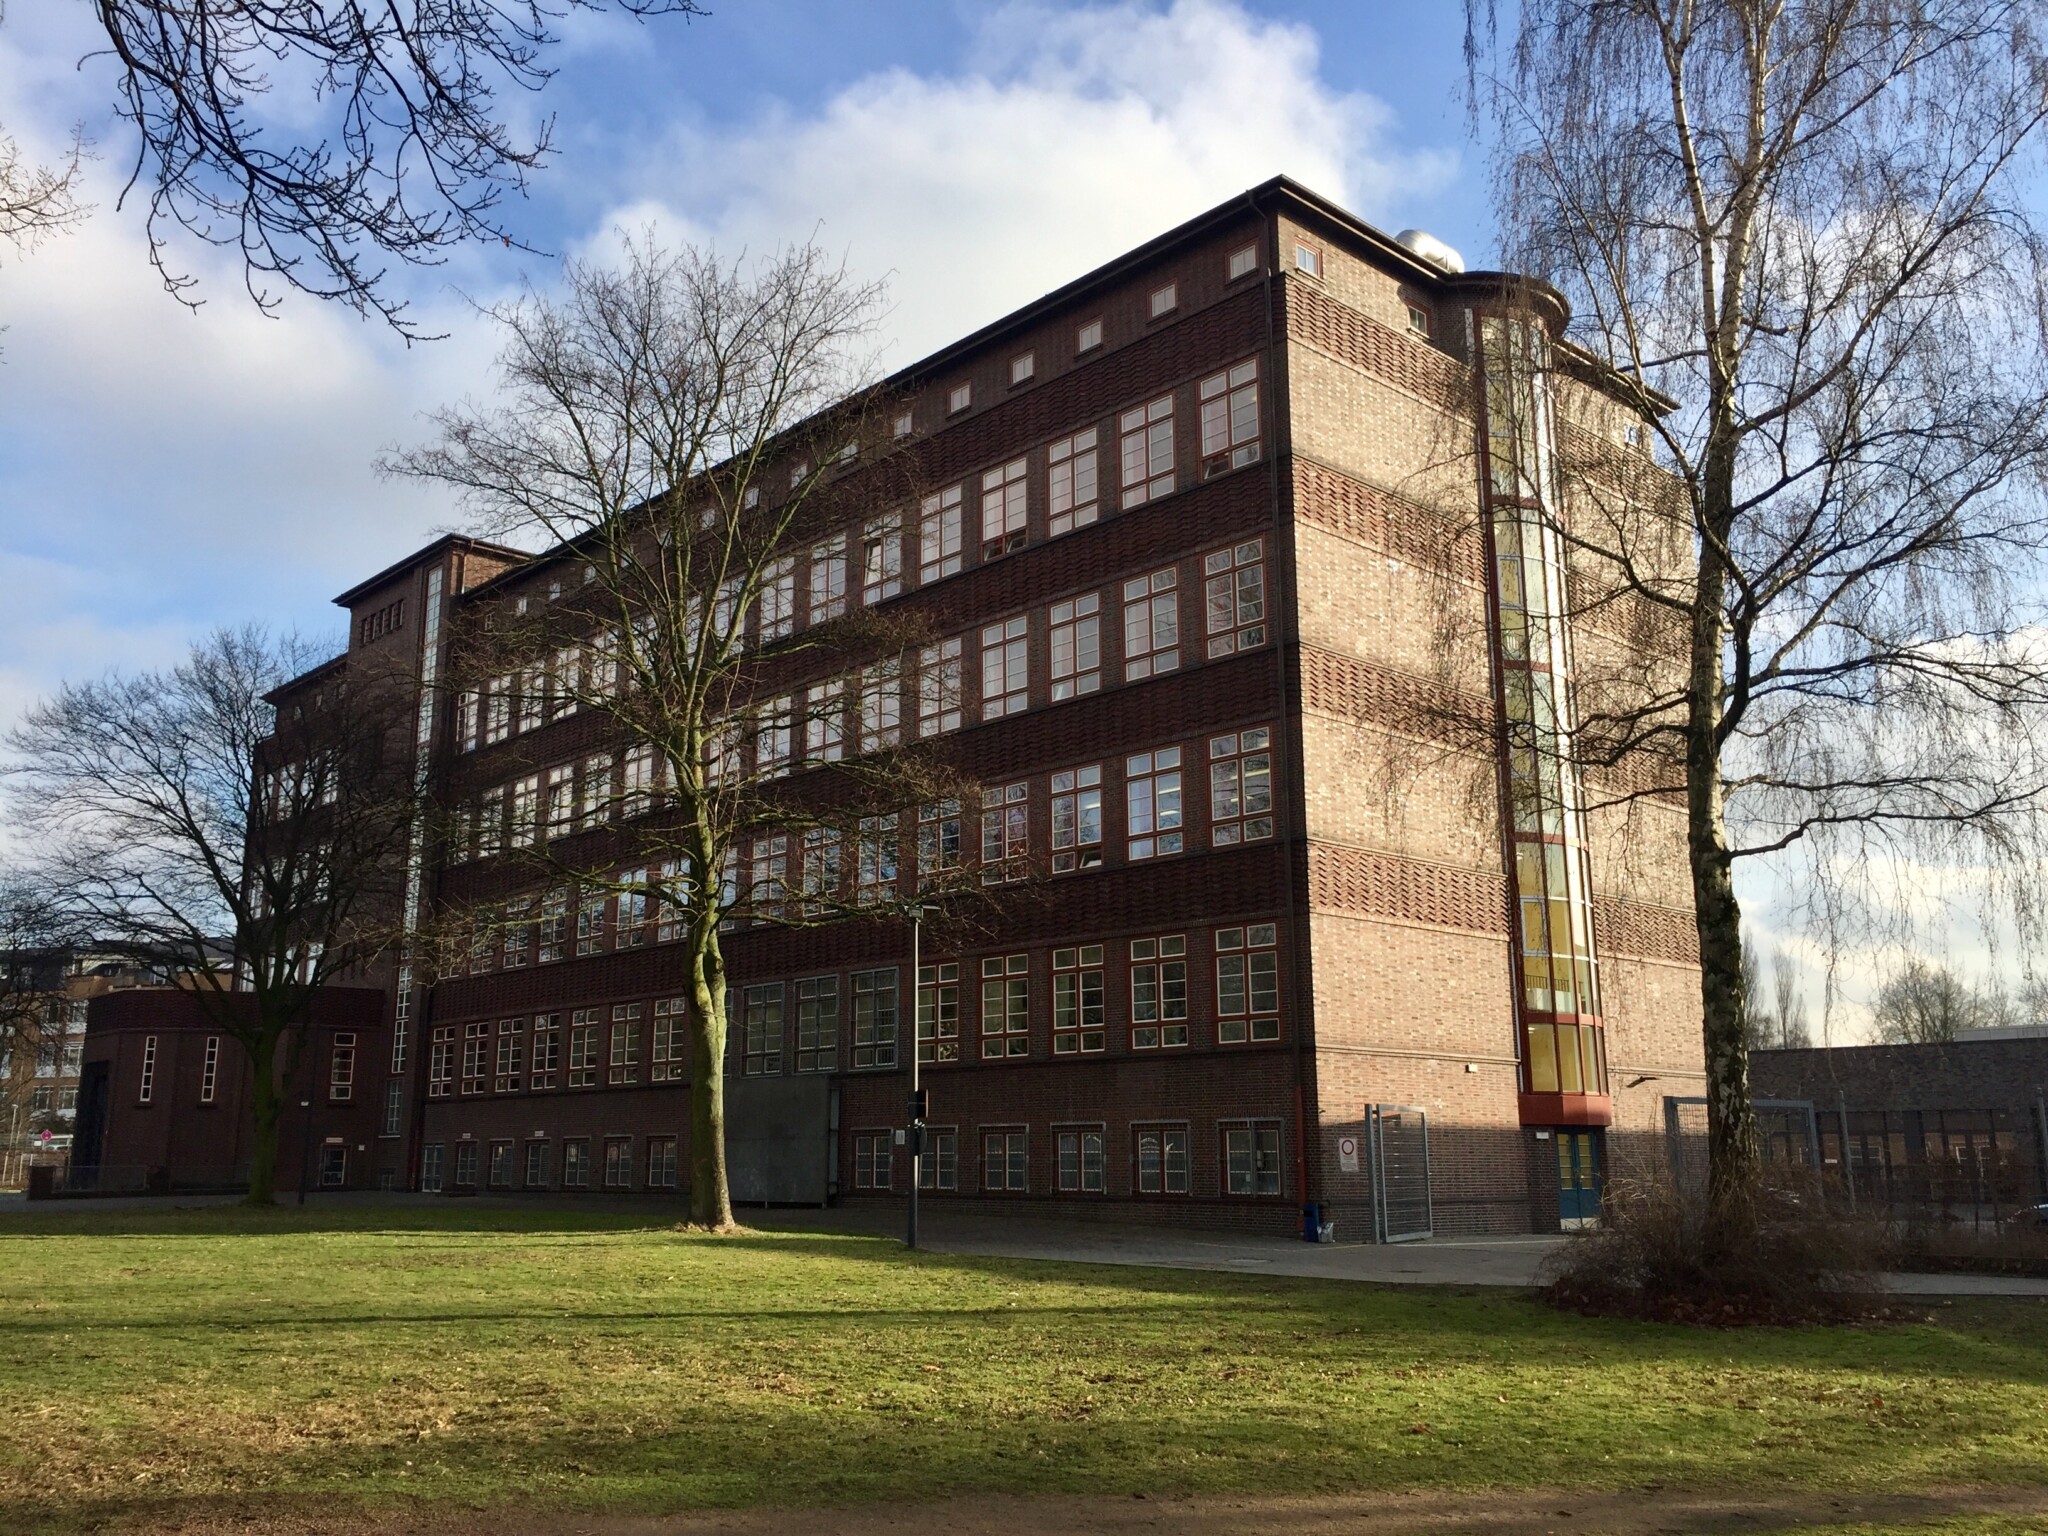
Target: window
[[1308, 259], [670, 1061], [590, 923], [938, 1012], [501, 1165], [525, 811], [1152, 808], [1251, 1159], [752, 498], [958, 398], [873, 1160], [778, 599], [497, 710], [820, 875], [797, 471], [561, 800], [576, 1163], [1077, 819], [597, 789], [1077, 1001], [1236, 590], [1003, 510], [441, 1063], [670, 919], [1022, 366], [1080, 1155], [881, 706], [1242, 260], [939, 679], [881, 559], [568, 680], [661, 1162], [618, 1162], [467, 719], [431, 1162], [465, 1164], [938, 840], [625, 1062], [906, 423], [1145, 446], [1165, 300], [874, 1018], [939, 1168], [583, 1048], [554, 926], [632, 902], [1240, 787], [148, 1085], [341, 1070], [1005, 833], [825, 722], [476, 1045], [828, 579], [1088, 337], [209, 1070], [761, 1021], [1006, 1161], [1005, 1007], [817, 1024], [517, 933], [1071, 483], [1076, 639], [1005, 668], [1230, 418], [939, 536], [1151, 624], [536, 1165], [547, 1051], [533, 698], [875, 878], [1247, 984], [1162, 1159], [768, 875], [1159, 992], [511, 1039], [394, 1108], [1418, 322]]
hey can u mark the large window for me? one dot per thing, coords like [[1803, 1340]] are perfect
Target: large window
[[939, 686], [524, 811], [1075, 633], [465, 1164], [1251, 1158], [1235, 588], [547, 1051], [1230, 418], [554, 926], [536, 1164], [1240, 787], [1002, 510], [576, 1163], [341, 1070], [1071, 483], [507, 1070], [147, 1087], [1152, 803], [881, 705], [1005, 833], [1077, 1001], [939, 537], [828, 579], [1005, 1007], [1151, 624], [825, 721], [761, 1045], [441, 1063], [590, 914], [597, 790], [939, 1168], [768, 875], [938, 1012], [875, 877], [394, 1108], [433, 1158], [632, 905], [661, 1162], [821, 876], [501, 1165], [625, 1061], [874, 1019], [618, 1162], [1145, 447], [561, 801], [1159, 993], [881, 559], [670, 1061], [583, 1028], [636, 789], [873, 1160], [1077, 819], [518, 933], [1005, 668], [1080, 1158], [938, 840], [1161, 1154], [476, 1044], [1006, 1160], [774, 737], [817, 1024], [1247, 984]]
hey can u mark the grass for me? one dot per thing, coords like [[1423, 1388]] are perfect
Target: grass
[[169, 1361]]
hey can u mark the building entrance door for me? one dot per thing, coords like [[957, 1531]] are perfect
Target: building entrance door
[[333, 1167], [1578, 1179]]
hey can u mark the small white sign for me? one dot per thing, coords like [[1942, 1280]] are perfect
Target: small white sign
[[1347, 1154]]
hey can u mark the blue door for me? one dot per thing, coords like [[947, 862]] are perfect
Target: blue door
[[1578, 1179]]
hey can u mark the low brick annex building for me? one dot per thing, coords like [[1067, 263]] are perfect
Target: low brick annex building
[[1239, 546]]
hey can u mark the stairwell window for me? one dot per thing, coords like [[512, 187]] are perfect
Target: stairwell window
[[1247, 984]]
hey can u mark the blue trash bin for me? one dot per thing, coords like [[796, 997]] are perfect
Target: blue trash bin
[[1311, 1222]]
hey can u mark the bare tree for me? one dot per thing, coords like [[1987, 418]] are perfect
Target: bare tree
[[674, 429], [399, 147], [1926, 1004], [1798, 233], [1794, 1025], [181, 811]]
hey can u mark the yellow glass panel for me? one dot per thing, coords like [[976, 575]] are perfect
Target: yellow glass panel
[[1542, 1058], [1569, 1077]]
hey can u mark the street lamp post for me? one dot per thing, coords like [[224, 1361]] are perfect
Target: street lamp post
[[917, 1103]]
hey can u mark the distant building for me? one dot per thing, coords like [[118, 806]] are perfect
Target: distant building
[[1195, 518]]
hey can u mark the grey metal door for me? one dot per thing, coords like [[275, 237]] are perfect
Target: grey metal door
[[1400, 1173]]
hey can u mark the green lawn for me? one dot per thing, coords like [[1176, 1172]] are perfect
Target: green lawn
[[472, 1354]]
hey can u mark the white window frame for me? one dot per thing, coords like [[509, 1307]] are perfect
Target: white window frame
[[1073, 482], [1074, 646]]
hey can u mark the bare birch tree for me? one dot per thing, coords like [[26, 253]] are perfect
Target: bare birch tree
[[671, 429], [178, 813], [1799, 230]]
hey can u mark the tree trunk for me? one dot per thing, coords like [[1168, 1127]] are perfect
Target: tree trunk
[[710, 1198], [265, 1103]]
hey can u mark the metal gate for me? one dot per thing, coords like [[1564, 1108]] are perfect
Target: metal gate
[[1400, 1173]]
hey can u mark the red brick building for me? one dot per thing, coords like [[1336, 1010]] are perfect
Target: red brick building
[[1258, 653]]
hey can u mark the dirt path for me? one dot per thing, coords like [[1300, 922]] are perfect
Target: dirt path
[[1645, 1512]]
